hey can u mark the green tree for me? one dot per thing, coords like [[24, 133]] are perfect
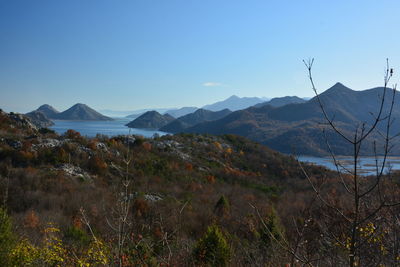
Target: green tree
[[272, 229], [212, 249], [222, 207]]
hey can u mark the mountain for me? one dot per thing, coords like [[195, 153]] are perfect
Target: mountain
[[48, 111], [39, 119], [281, 101], [297, 127], [199, 116], [136, 113], [234, 103], [81, 112], [115, 113], [150, 120], [176, 113]]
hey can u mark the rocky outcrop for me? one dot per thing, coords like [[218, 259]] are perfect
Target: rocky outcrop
[[39, 119], [21, 121]]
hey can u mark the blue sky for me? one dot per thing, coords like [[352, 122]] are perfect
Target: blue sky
[[126, 55]]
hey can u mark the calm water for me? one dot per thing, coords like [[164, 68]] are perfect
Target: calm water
[[110, 128], [117, 127], [366, 165]]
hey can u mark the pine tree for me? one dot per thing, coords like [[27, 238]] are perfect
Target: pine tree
[[212, 249], [272, 230]]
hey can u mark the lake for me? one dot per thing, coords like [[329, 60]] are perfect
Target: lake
[[117, 127], [366, 165], [109, 128]]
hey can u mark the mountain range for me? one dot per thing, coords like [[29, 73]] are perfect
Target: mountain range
[[151, 120], [297, 127], [287, 124], [282, 101], [234, 103], [79, 112], [292, 124]]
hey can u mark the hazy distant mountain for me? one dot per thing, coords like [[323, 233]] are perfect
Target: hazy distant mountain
[[136, 113], [150, 120], [115, 113], [281, 101], [234, 103], [297, 128], [49, 111], [81, 112], [200, 115], [176, 113], [39, 119]]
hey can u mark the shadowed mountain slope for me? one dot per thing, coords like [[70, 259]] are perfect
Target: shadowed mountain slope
[[282, 101], [199, 116], [150, 120]]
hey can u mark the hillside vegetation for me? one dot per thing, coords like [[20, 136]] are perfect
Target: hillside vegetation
[[175, 191]]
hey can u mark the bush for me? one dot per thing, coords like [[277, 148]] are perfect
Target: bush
[[77, 236], [6, 236], [274, 230], [212, 249], [72, 134], [222, 207], [97, 165]]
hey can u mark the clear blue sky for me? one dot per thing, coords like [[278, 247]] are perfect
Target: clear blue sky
[[132, 54]]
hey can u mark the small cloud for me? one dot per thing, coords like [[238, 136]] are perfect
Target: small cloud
[[213, 84]]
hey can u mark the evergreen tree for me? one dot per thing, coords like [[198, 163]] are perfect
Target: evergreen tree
[[212, 249], [222, 207], [272, 230]]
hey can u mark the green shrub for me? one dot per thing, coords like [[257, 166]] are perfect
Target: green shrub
[[272, 231], [77, 236], [212, 249], [222, 207], [6, 236]]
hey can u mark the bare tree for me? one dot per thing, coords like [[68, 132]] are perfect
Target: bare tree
[[366, 199]]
